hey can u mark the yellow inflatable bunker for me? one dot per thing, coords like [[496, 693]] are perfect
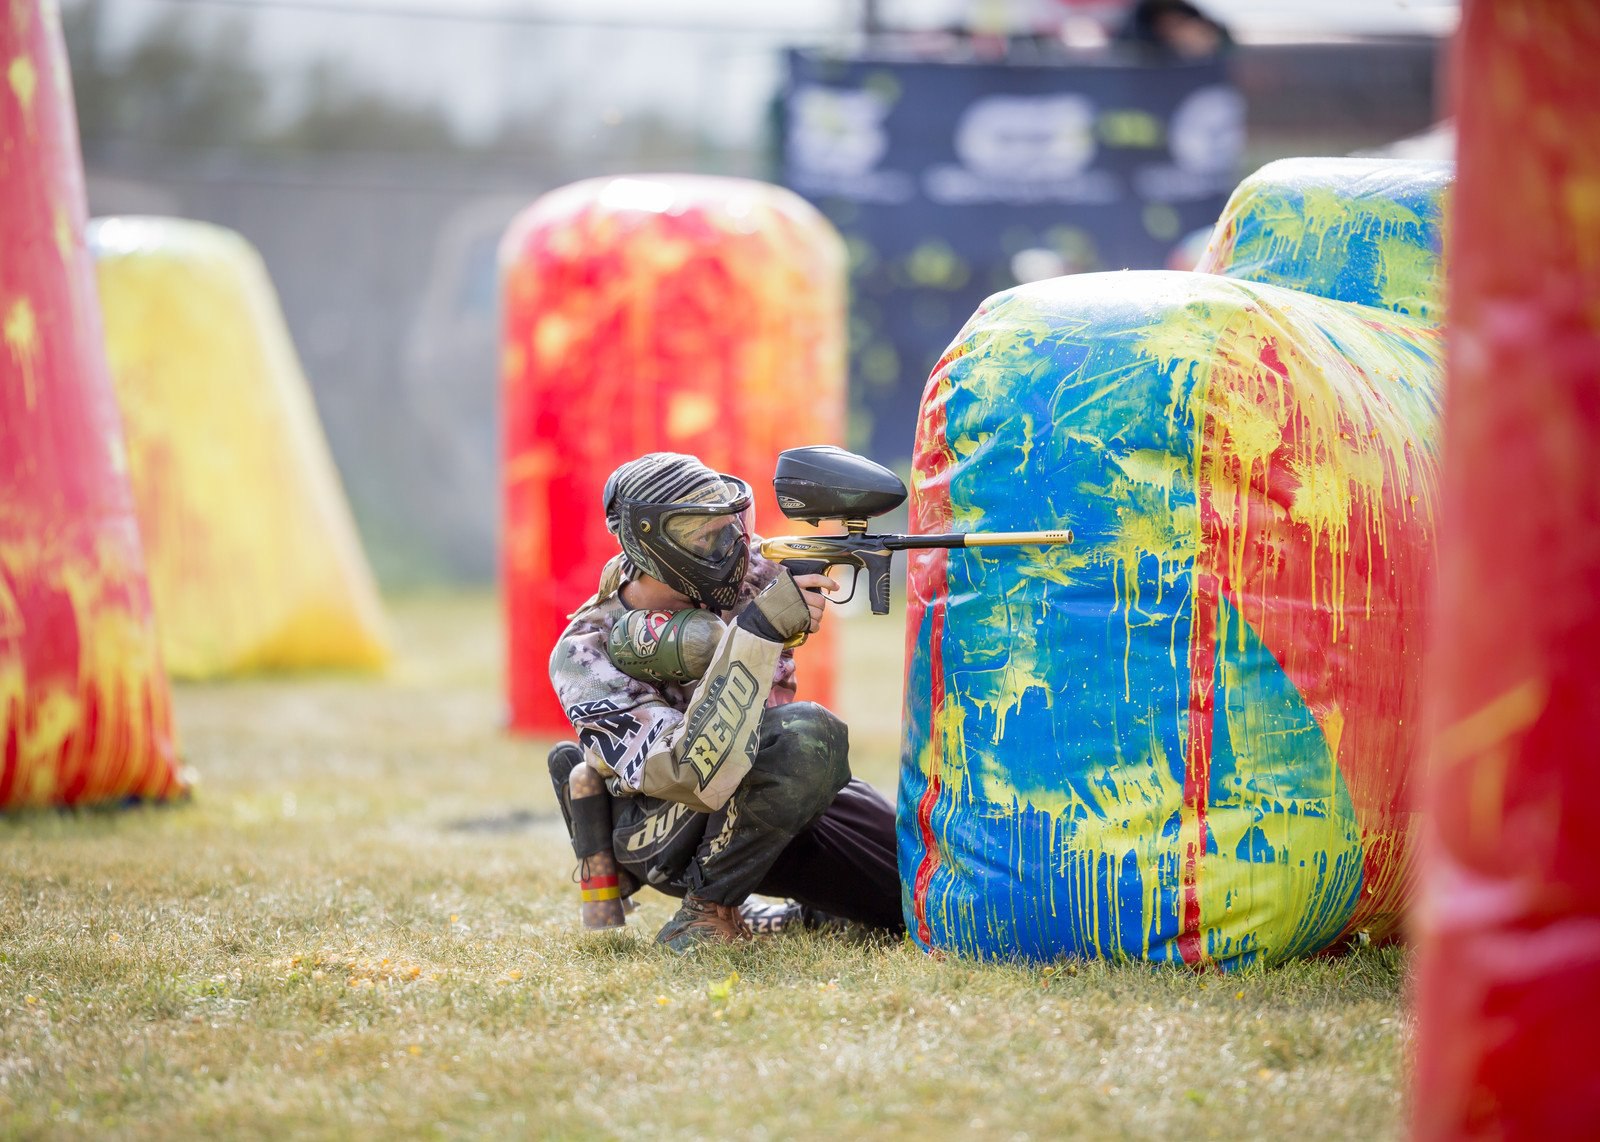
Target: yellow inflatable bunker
[[254, 559]]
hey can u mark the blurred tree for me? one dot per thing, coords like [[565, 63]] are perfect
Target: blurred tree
[[174, 87], [526, 132], [605, 141], [93, 85], [169, 88], [338, 115], [657, 141]]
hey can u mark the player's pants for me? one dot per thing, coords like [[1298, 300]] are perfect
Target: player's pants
[[798, 826]]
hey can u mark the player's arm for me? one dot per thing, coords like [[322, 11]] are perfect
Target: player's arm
[[698, 757]]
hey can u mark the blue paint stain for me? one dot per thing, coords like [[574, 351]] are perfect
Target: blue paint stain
[[1377, 199], [1105, 734], [1254, 846]]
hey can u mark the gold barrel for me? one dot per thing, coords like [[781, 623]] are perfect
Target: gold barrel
[[1016, 538]]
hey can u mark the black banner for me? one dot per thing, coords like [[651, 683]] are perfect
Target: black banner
[[952, 181]]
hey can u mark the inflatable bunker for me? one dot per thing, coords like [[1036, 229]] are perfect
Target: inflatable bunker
[[255, 563], [679, 313], [1369, 231], [1188, 735], [85, 711], [1507, 987]]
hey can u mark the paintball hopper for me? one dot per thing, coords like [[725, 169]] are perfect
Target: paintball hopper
[[821, 481]]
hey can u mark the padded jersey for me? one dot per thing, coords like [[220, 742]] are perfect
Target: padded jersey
[[689, 744]]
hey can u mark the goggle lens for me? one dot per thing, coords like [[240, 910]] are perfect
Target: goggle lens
[[709, 537]]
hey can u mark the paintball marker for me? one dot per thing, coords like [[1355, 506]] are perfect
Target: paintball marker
[[821, 482]]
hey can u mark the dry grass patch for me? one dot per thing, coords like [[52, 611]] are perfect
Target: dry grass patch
[[364, 926]]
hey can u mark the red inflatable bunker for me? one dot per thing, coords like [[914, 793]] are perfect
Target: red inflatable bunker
[[84, 705], [654, 313], [1509, 969]]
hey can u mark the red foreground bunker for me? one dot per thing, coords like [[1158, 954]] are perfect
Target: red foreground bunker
[[84, 704], [1509, 989]]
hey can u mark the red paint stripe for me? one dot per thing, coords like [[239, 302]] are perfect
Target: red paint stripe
[[10, 751], [78, 755], [928, 586], [930, 796], [930, 858], [1197, 755], [599, 882]]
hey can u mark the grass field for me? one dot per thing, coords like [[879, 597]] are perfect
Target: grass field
[[363, 926]]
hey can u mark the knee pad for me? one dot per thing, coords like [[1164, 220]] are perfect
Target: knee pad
[[827, 738], [563, 759], [804, 756]]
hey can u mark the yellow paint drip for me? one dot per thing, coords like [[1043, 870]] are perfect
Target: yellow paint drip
[[689, 414], [1352, 435], [1134, 798], [551, 337], [1146, 466], [1056, 564], [131, 749], [948, 741], [1322, 501], [1282, 828], [65, 236], [1149, 526], [1408, 277], [1302, 220], [1147, 531], [1025, 451], [1332, 722], [1253, 428], [24, 81], [1580, 202], [1021, 667], [21, 332]]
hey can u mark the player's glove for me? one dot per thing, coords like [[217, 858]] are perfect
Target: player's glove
[[779, 613]]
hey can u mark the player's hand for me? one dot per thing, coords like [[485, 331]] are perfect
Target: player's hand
[[811, 588]]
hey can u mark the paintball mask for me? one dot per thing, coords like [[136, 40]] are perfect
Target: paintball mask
[[682, 523]]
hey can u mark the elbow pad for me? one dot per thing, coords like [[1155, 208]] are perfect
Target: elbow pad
[[665, 646]]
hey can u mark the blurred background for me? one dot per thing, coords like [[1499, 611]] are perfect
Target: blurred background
[[373, 151]]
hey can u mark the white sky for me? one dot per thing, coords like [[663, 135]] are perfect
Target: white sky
[[1267, 16], [624, 58]]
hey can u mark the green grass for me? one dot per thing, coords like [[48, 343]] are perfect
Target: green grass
[[363, 926]]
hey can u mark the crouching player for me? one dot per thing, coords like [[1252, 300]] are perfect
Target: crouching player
[[721, 785]]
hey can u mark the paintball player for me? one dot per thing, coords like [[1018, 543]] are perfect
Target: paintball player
[[721, 786]]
